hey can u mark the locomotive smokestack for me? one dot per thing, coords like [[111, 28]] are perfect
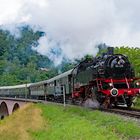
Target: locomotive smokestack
[[110, 50]]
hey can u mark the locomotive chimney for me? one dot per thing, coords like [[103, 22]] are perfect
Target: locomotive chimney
[[110, 50]]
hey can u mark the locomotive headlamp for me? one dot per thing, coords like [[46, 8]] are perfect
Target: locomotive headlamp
[[137, 83], [114, 92], [110, 84]]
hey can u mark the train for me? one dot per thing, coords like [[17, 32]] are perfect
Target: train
[[105, 81]]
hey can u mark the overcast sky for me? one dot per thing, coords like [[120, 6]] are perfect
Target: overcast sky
[[76, 25]]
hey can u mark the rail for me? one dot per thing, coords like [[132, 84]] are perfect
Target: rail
[[135, 113]]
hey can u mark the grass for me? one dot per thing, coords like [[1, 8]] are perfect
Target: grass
[[137, 103], [18, 125], [51, 122]]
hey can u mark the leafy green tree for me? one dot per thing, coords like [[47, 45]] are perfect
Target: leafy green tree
[[133, 55], [19, 63]]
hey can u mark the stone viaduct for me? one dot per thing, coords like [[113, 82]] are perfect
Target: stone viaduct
[[8, 106]]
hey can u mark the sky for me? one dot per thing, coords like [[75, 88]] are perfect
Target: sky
[[75, 26]]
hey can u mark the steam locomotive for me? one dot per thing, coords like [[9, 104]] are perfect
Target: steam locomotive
[[104, 81], [110, 77]]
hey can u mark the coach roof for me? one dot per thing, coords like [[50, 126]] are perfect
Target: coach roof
[[15, 87], [60, 76]]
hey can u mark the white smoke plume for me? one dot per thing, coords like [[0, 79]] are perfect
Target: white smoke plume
[[76, 26]]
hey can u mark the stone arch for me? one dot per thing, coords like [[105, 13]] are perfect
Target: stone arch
[[3, 110], [16, 106]]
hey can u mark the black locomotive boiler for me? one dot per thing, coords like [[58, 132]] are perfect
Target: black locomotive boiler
[[108, 78]]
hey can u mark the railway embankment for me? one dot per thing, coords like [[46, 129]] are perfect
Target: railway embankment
[[55, 122]]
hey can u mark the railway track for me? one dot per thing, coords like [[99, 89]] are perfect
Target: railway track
[[135, 113]]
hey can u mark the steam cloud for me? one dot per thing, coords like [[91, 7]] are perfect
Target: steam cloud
[[75, 26]]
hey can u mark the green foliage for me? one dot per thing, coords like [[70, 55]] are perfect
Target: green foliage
[[19, 63], [137, 103], [133, 55], [88, 57], [66, 65]]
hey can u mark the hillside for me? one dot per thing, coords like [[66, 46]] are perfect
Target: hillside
[[19, 63]]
